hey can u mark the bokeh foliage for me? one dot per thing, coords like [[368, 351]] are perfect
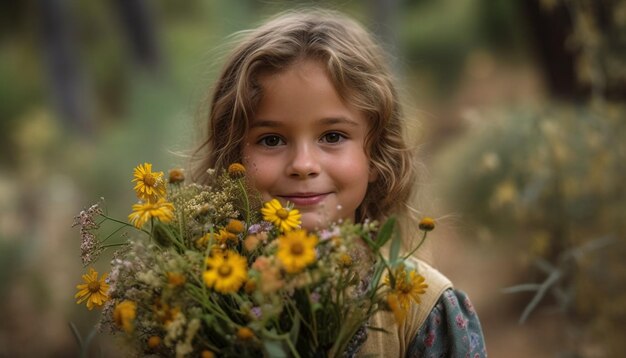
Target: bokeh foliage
[[551, 176]]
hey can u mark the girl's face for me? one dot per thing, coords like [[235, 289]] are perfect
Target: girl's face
[[306, 146]]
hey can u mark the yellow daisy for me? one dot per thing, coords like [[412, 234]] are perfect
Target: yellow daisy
[[204, 240], [398, 312], [283, 218], [296, 250], [142, 212], [226, 272], [150, 185], [94, 291], [124, 315], [224, 236], [409, 286]]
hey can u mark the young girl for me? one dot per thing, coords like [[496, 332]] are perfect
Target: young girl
[[308, 105]]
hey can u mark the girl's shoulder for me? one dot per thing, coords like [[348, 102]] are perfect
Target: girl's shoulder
[[397, 341], [452, 329]]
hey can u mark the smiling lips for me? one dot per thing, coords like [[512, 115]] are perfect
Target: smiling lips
[[305, 199]]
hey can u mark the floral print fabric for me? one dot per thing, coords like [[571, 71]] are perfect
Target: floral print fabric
[[451, 330]]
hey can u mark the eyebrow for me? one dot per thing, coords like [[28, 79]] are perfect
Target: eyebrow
[[325, 121]]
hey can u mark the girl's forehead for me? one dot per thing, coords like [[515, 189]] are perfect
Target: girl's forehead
[[303, 97]]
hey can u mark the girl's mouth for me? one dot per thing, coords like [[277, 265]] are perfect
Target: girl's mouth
[[304, 199]]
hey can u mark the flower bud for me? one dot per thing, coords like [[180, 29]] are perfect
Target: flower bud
[[427, 224]]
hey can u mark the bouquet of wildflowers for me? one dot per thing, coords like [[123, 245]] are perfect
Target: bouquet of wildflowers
[[213, 271]]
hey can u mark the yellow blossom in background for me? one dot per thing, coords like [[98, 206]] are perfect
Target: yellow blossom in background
[[150, 185], [296, 250], [204, 240], [283, 218], [207, 354], [154, 342], [251, 242], [345, 260], [504, 194], [94, 290], [226, 272], [224, 236], [271, 279], [245, 333], [236, 170], [143, 212], [235, 226], [124, 315], [250, 286], [165, 313], [176, 279], [176, 175], [408, 287]]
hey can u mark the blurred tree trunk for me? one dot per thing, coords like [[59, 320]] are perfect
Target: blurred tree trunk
[[580, 45], [69, 90], [140, 30], [549, 31]]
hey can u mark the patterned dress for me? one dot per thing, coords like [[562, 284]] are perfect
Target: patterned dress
[[452, 329]]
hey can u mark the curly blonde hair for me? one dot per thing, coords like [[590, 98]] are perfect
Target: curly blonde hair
[[356, 66]]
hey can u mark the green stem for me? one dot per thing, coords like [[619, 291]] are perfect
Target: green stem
[[299, 314], [283, 337], [114, 245], [313, 318], [246, 199], [209, 304], [418, 246], [126, 224], [113, 233], [292, 348]]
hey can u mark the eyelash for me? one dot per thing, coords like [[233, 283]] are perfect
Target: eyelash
[[324, 137]]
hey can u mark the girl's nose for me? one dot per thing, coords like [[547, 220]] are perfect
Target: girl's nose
[[304, 162]]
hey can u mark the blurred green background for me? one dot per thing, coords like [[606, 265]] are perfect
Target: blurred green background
[[518, 108]]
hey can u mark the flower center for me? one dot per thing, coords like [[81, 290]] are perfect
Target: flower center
[[297, 249], [224, 270], [93, 286], [282, 213], [149, 179]]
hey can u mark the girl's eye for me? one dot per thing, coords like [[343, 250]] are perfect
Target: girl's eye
[[333, 137], [271, 141]]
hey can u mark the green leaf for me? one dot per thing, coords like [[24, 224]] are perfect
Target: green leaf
[[274, 349], [385, 232], [162, 235], [295, 329], [394, 252]]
